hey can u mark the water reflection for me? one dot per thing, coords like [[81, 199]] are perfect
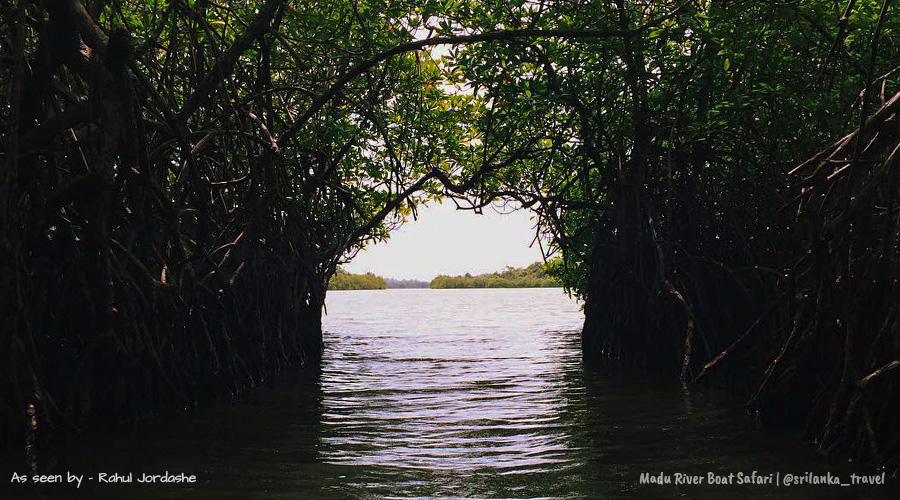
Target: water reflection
[[263, 446], [445, 394], [454, 397]]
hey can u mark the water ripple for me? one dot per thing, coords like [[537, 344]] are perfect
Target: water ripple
[[419, 393], [446, 394]]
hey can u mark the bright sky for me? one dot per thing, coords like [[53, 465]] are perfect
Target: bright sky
[[444, 240]]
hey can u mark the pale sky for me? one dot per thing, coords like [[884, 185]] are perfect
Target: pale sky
[[444, 240]]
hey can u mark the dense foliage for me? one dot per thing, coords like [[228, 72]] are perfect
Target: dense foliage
[[532, 276], [342, 280], [660, 166], [181, 180]]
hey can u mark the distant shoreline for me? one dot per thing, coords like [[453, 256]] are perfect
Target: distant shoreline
[[533, 276]]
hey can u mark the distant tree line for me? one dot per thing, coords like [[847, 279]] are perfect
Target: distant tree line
[[342, 280], [395, 283], [532, 276]]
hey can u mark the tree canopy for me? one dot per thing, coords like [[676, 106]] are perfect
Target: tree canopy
[[532, 276], [342, 280], [181, 180]]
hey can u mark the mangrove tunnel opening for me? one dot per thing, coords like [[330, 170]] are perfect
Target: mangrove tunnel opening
[[182, 181]]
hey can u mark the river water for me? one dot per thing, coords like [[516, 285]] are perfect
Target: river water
[[445, 394]]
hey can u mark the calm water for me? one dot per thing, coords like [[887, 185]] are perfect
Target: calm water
[[444, 394]]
